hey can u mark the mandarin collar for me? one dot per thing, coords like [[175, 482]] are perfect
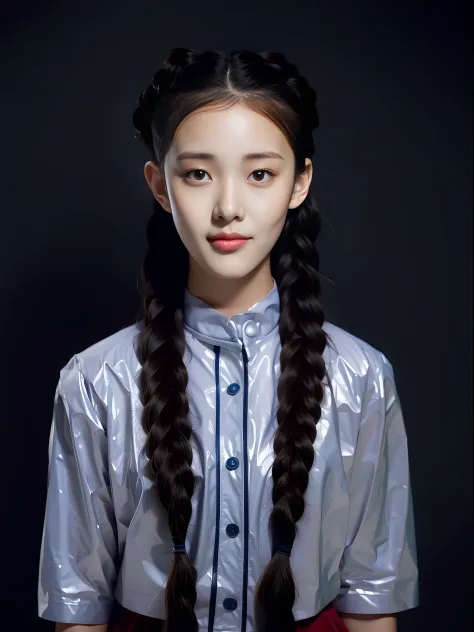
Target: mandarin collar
[[248, 328]]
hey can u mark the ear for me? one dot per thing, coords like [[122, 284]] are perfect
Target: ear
[[156, 182], [301, 187]]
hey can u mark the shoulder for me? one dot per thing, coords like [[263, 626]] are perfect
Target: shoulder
[[116, 353], [346, 351]]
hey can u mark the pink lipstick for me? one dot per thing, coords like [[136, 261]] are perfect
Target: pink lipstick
[[228, 242]]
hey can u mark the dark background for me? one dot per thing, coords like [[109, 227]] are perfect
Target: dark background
[[392, 175]]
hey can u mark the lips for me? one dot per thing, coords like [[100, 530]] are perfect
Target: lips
[[228, 242], [227, 237]]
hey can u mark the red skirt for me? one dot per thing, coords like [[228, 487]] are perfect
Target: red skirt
[[123, 620]]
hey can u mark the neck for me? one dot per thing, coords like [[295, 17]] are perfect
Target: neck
[[230, 296]]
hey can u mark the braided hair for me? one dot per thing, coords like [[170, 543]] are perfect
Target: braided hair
[[272, 86]]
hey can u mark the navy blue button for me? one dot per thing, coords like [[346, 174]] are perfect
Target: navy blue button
[[232, 530], [230, 603], [232, 463], [233, 389]]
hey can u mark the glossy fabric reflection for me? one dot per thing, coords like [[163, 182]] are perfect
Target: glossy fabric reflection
[[106, 536]]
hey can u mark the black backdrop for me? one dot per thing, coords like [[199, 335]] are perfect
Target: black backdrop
[[393, 169]]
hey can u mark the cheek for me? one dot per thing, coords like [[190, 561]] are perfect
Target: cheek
[[186, 215], [271, 205], [269, 220], [187, 229]]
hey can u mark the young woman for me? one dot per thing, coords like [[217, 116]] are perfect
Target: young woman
[[231, 461]]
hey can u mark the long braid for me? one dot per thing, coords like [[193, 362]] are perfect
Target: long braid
[[165, 414], [295, 263]]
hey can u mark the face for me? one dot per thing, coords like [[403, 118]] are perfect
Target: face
[[228, 190]]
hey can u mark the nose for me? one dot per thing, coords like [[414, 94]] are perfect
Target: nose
[[229, 204]]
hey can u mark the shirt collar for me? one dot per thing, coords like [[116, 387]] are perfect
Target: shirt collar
[[249, 328]]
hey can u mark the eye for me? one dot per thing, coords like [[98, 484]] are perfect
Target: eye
[[200, 171], [262, 171]]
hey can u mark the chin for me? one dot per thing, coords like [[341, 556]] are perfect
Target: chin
[[230, 270], [231, 275]]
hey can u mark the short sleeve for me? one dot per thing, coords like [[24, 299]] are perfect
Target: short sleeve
[[77, 568], [379, 572]]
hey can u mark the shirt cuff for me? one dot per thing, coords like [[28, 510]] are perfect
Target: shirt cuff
[[370, 602], [85, 613]]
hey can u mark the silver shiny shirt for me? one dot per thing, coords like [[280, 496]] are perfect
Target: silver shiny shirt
[[105, 534]]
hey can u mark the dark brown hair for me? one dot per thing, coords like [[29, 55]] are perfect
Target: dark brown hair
[[270, 85]]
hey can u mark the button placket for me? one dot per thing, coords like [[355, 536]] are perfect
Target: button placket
[[231, 493]]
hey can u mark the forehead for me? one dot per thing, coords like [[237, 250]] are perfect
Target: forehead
[[228, 130]]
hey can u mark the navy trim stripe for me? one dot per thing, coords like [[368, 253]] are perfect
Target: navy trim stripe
[[246, 493], [212, 602]]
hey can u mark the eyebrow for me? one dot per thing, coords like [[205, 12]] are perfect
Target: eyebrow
[[205, 156]]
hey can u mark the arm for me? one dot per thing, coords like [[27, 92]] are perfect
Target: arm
[[71, 627], [78, 558], [369, 623], [379, 574]]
